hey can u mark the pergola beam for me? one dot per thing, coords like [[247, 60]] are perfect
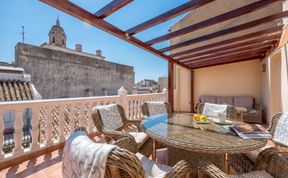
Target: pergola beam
[[249, 58], [227, 31], [232, 55], [274, 30], [214, 20], [251, 44], [82, 14], [111, 8], [191, 5]]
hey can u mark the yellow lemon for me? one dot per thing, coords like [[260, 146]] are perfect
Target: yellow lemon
[[196, 117]]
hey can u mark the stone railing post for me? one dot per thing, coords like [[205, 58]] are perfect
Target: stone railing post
[[35, 128], [165, 91], [122, 92], [72, 118], [18, 135], [61, 123], [49, 126], [1, 132]]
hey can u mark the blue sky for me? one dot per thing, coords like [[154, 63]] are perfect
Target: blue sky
[[38, 19]]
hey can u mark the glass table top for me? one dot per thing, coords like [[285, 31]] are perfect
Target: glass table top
[[181, 131]]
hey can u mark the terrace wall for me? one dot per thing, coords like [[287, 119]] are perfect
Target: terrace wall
[[237, 79], [61, 73]]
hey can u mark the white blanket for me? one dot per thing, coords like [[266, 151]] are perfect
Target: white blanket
[[212, 110], [156, 107], [84, 158], [281, 131]]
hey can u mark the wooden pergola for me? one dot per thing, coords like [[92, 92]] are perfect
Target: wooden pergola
[[248, 46]]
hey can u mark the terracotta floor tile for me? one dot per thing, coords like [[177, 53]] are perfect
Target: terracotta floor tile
[[46, 161], [53, 171], [21, 170], [50, 165]]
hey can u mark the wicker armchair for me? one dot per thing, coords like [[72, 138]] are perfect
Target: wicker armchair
[[146, 111], [231, 111], [247, 162], [271, 163], [253, 115], [122, 163], [104, 121]]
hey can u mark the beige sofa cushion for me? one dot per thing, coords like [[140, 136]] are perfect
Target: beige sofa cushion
[[208, 99], [252, 155], [228, 100], [244, 101], [140, 138]]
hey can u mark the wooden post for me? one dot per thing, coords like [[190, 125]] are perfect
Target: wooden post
[[171, 84], [192, 91]]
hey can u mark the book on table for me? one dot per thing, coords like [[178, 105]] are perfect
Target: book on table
[[251, 131]]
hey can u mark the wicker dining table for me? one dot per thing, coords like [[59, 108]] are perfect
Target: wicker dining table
[[194, 142]]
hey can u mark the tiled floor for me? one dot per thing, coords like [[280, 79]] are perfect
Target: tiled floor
[[49, 165]]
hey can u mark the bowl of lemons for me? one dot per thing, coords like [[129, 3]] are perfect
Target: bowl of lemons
[[200, 119]]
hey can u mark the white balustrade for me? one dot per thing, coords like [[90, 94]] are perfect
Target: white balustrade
[[49, 127], [35, 128], [18, 135], [1, 137], [61, 125], [54, 119]]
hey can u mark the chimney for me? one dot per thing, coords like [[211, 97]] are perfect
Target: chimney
[[78, 47], [99, 53]]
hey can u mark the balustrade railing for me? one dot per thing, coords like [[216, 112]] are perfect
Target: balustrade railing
[[54, 119]]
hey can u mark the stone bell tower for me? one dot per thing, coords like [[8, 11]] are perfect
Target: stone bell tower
[[57, 35]]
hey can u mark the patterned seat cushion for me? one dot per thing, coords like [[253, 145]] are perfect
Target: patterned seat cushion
[[254, 174], [156, 107], [212, 110], [140, 138], [281, 130], [153, 169], [110, 116]]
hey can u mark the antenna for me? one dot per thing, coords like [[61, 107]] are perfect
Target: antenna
[[23, 34]]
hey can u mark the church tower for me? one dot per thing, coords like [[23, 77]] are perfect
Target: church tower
[[57, 35]]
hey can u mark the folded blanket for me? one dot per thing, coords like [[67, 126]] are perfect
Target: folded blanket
[[156, 107], [84, 158], [212, 110]]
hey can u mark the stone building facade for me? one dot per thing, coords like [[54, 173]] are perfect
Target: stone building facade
[[58, 72]]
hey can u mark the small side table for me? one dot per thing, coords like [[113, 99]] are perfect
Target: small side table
[[241, 110]]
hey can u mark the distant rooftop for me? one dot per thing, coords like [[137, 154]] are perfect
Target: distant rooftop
[[10, 68]]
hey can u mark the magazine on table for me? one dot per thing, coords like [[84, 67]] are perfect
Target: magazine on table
[[251, 131]]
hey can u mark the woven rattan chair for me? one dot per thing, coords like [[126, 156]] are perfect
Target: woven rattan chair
[[273, 163], [126, 164], [146, 111], [231, 111], [104, 118], [122, 163], [248, 161]]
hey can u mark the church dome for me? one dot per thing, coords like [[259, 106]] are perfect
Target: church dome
[[57, 29], [57, 35]]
